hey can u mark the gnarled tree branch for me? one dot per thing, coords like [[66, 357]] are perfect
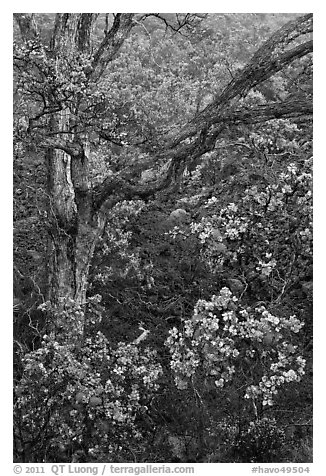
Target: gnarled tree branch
[[74, 149], [199, 135], [268, 60], [125, 188]]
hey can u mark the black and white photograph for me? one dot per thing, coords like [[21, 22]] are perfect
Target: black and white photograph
[[162, 241]]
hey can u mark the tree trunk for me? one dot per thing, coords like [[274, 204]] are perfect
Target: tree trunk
[[71, 251], [74, 232], [74, 226]]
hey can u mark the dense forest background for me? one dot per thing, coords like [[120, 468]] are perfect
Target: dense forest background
[[163, 237]]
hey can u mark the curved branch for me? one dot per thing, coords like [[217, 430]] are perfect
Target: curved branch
[[71, 148], [113, 40], [187, 20], [254, 74], [116, 188], [266, 112]]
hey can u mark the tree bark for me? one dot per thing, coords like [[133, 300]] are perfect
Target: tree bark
[[74, 227]]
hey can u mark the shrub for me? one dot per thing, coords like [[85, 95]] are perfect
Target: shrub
[[82, 398], [261, 442]]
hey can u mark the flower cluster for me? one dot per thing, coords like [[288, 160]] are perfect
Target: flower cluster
[[223, 341], [266, 236], [266, 267]]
